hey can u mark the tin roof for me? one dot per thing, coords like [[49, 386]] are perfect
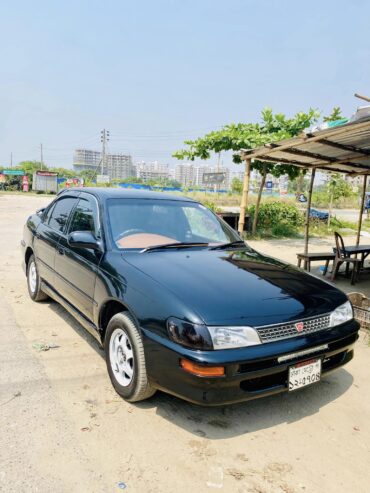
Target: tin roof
[[345, 148]]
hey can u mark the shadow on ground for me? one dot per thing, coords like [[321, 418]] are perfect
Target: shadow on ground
[[233, 420]]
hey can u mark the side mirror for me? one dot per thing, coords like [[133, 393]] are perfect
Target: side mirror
[[84, 239], [40, 211]]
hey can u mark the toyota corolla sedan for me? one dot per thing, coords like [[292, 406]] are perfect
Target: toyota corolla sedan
[[179, 302]]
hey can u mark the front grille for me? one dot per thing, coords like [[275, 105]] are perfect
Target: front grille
[[277, 332]]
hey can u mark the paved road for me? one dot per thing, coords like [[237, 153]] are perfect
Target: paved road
[[63, 429]]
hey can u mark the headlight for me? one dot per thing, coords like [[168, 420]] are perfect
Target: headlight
[[233, 337], [195, 336], [341, 314], [198, 336]]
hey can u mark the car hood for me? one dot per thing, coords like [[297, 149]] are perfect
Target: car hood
[[238, 287]]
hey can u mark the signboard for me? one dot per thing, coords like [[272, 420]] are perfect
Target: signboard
[[213, 178], [46, 173], [269, 185], [17, 172], [74, 182], [2, 178], [102, 179]]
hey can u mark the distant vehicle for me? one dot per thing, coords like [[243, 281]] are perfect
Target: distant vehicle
[[367, 202], [180, 302], [315, 214], [301, 197]]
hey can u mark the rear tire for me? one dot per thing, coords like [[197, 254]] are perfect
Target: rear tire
[[34, 281], [124, 353]]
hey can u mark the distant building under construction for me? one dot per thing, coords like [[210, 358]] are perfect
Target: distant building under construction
[[116, 166]]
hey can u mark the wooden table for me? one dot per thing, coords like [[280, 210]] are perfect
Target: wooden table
[[363, 250], [307, 258]]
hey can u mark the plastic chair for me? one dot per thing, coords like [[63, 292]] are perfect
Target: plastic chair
[[343, 257]]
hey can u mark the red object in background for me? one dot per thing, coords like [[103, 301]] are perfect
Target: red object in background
[[25, 183]]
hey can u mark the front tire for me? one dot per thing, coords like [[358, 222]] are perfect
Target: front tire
[[124, 353], [34, 281]]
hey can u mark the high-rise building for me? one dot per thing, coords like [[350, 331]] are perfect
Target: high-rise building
[[116, 166], [184, 173], [152, 171]]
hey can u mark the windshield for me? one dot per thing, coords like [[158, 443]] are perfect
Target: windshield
[[142, 223]]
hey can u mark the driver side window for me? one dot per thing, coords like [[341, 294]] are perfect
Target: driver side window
[[85, 217]]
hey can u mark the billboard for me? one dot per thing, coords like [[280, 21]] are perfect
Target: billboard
[[213, 178], [102, 179]]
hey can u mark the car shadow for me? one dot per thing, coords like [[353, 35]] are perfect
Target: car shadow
[[221, 422]]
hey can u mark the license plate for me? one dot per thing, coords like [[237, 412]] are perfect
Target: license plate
[[304, 374]]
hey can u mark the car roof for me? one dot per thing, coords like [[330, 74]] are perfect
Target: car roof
[[124, 193]]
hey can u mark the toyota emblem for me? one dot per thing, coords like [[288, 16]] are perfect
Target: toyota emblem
[[299, 326]]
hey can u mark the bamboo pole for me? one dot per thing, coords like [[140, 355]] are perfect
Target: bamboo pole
[[365, 98], [255, 219], [244, 202], [361, 210], [307, 222]]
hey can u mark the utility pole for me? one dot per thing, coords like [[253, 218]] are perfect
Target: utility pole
[[11, 160], [103, 139], [41, 156]]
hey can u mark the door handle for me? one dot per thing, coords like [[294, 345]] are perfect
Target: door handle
[[60, 251]]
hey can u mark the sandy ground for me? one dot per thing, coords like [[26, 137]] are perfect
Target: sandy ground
[[63, 429]]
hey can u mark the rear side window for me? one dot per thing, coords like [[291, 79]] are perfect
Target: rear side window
[[84, 217], [60, 213]]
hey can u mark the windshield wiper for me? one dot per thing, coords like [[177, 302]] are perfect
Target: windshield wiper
[[231, 244], [178, 244]]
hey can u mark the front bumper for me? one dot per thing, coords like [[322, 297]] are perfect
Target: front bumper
[[249, 372]]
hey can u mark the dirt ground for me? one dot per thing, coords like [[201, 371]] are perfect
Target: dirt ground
[[63, 429]]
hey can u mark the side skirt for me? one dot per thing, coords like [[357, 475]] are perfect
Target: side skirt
[[89, 326]]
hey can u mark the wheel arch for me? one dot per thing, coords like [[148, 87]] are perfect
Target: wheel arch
[[107, 310], [27, 255]]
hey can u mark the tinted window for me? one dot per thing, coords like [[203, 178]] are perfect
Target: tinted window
[[84, 217], [47, 213], [60, 213]]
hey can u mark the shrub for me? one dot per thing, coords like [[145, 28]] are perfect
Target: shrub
[[278, 218], [211, 205]]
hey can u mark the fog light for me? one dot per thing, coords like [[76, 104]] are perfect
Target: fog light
[[202, 371]]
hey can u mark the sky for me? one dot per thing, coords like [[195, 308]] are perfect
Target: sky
[[155, 73]]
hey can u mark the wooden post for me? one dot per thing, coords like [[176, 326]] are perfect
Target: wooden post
[[244, 202], [361, 210], [263, 180], [307, 223]]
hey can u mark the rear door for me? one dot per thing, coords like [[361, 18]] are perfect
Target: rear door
[[48, 234], [77, 267]]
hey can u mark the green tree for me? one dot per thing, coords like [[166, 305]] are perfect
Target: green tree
[[88, 174], [65, 172], [242, 136], [236, 185], [336, 114], [337, 187]]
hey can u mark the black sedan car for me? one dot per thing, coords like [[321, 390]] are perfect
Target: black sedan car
[[179, 302]]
